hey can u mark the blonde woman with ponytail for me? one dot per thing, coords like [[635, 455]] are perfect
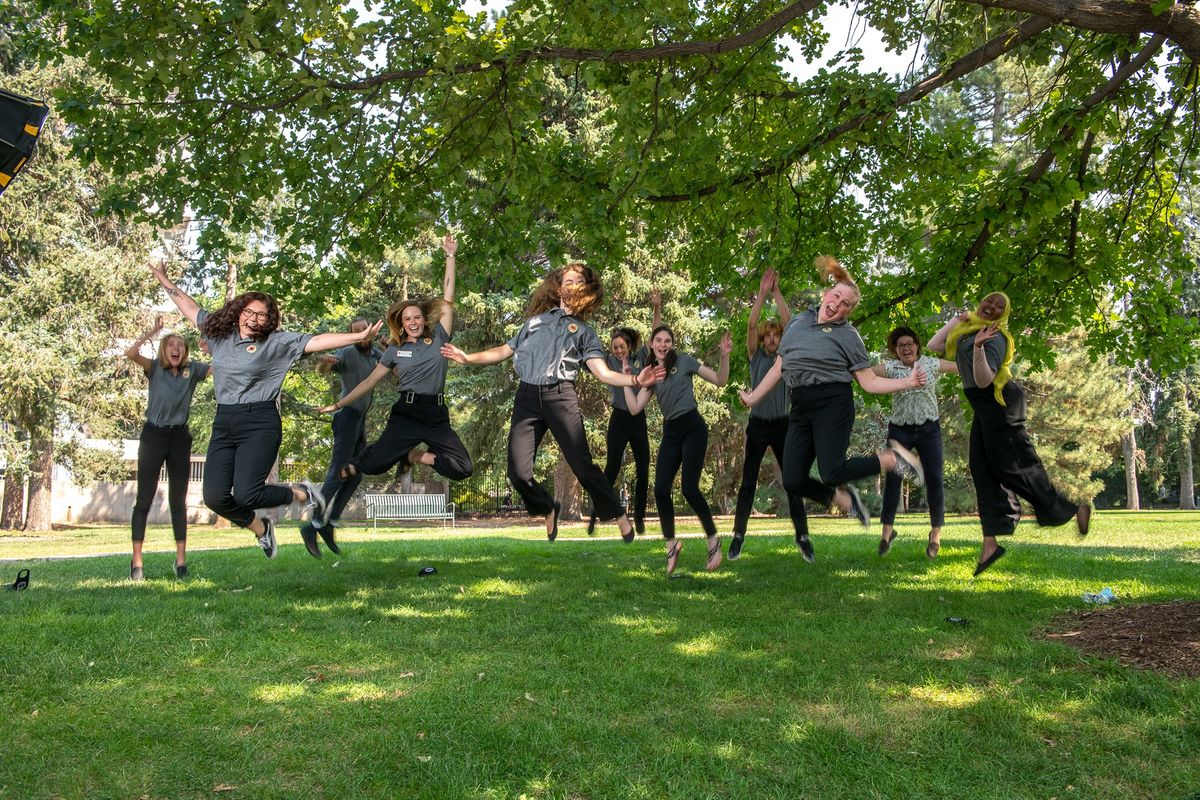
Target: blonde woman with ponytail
[[819, 355], [1003, 461]]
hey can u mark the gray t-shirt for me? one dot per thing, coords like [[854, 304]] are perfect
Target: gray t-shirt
[[419, 365], [815, 354], [636, 363], [170, 397], [675, 394], [551, 346], [994, 350], [353, 365], [249, 371], [775, 404]]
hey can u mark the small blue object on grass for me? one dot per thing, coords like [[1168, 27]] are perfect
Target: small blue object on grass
[[1100, 598]]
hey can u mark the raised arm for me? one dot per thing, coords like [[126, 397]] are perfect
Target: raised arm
[[781, 305], [368, 383], [764, 287], [980, 368], [938, 343], [492, 355], [182, 300], [134, 353], [773, 376], [450, 248], [873, 384], [720, 376], [332, 341]]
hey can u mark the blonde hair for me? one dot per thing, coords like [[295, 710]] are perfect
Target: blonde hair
[[430, 309], [768, 325], [162, 351], [832, 271]]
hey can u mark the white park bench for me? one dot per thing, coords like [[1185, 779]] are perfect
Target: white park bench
[[409, 506]]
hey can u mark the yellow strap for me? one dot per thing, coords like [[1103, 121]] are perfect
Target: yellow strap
[[4, 179], [20, 164], [32, 131]]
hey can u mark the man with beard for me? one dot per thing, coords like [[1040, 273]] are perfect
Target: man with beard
[[353, 363], [769, 419]]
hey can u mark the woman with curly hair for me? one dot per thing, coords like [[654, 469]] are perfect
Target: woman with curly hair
[[684, 439], [420, 416], [547, 353], [250, 358], [165, 439], [819, 355], [1004, 464]]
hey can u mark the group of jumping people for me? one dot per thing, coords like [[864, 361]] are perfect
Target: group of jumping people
[[800, 399]]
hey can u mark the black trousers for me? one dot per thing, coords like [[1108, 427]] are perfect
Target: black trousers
[[417, 419], [819, 431], [171, 444], [243, 448], [760, 434], [629, 430], [1005, 465], [554, 408], [684, 444], [349, 440], [926, 439]]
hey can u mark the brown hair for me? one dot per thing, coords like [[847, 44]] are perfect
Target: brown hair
[[548, 293], [897, 334], [224, 320], [431, 309], [631, 337], [162, 351], [832, 271]]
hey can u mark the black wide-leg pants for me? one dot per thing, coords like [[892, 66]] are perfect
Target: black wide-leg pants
[[684, 445], [243, 448], [417, 419], [629, 430], [760, 434]]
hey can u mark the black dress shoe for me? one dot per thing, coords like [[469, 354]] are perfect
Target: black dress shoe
[[327, 536], [136, 573], [181, 571], [309, 534], [735, 546], [885, 545], [987, 562], [806, 548]]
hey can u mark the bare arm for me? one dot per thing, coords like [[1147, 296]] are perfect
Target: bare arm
[[368, 383], [879, 369], [948, 366], [450, 248], [182, 300], [720, 376], [637, 401], [492, 355], [981, 370], [134, 353], [773, 376], [332, 341], [648, 375], [873, 384], [938, 343], [764, 286], [781, 305], [325, 364]]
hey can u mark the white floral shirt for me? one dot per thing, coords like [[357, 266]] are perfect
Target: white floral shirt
[[914, 406]]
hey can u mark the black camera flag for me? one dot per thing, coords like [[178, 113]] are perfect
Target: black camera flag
[[21, 120]]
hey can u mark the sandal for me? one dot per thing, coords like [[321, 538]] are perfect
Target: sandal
[[714, 554], [931, 550], [673, 548]]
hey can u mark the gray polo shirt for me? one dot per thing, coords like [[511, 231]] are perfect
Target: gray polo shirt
[[675, 394], [353, 365], [636, 362], [775, 404], [249, 371], [551, 346], [994, 350], [170, 397], [815, 354], [419, 365]]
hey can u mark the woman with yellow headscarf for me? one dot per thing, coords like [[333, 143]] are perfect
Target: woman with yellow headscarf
[[1004, 464]]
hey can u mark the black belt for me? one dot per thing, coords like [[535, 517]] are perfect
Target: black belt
[[261, 405], [438, 399], [182, 427]]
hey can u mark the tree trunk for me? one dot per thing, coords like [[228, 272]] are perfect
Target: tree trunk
[[1133, 500], [566, 490], [231, 274], [1187, 482], [41, 477], [12, 512]]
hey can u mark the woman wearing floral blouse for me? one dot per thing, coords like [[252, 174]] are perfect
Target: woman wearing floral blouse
[[914, 423]]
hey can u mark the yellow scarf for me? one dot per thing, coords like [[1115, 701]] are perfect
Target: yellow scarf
[[976, 323]]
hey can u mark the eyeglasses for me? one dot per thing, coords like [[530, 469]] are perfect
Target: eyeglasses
[[260, 315]]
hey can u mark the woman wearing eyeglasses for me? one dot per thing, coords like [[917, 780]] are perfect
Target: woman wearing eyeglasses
[[250, 358]]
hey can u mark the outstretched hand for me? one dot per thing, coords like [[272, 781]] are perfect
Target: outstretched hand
[[746, 398], [765, 283], [371, 332], [329, 409], [986, 333], [158, 324], [652, 374], [655, 298], [449, 244], [453, 353], [159, 269], [726, 343]]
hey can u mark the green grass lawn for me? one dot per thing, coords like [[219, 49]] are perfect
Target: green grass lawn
[[577, 670]]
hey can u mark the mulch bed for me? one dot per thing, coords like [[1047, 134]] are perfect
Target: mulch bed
[[1164, 637]]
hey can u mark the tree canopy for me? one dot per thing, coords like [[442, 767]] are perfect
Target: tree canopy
[[547, 131]]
